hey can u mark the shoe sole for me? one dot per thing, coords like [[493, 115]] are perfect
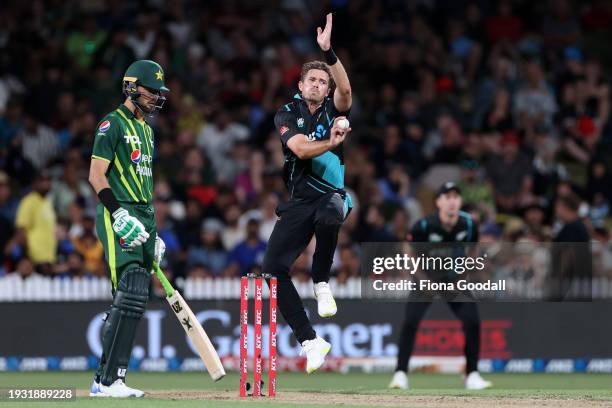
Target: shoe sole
[[329, 314], [488, 387], [397, 387], [102, 395]]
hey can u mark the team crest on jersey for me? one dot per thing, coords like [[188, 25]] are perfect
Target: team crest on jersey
[[104, 126], [136, 156], [300, 122]]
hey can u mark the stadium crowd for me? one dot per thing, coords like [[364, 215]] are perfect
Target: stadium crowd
[[509, 98]]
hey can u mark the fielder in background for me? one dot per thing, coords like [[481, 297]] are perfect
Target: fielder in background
[[448, 224], [312, 129], [121, 174]]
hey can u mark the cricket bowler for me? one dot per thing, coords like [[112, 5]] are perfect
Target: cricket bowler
[[121, 174], [312, 130], [447, 225]]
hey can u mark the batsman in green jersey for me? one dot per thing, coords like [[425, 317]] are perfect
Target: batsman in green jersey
[[121, 173]]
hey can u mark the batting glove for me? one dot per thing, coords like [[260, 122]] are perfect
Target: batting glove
[[160, 250], [129, 229]]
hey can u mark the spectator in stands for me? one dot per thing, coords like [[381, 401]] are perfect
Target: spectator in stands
[[248, 253], [68, 188], [39, 143], [26, 268], [199, 271], [375, 227], [349, 264], [166, 229], [65, 248], [190, 226], [269, 202], [510, 173], [505, 25], [233, 233], [209, 253], [475, 189], [534, 102], [218, 137], [8, 209], [89, 247], [11, 124], [35, 225]]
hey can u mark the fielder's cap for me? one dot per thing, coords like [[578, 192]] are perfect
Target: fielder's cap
[[447, 188]]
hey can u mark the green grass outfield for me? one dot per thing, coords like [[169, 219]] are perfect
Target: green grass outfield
[[580, 387]]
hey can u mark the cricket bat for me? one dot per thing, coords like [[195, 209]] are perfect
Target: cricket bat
[[192, 327]]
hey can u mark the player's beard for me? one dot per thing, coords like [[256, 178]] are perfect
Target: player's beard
[[150, 108], [313, 100]]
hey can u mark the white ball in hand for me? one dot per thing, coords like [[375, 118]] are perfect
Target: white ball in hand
[[343, 124]]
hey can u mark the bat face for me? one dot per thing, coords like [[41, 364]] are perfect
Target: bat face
[[198, 336]]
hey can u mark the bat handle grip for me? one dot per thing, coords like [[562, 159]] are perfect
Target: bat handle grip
[[163, 280]]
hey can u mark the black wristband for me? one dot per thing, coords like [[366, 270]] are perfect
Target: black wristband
[[108, 200], [330, 56]]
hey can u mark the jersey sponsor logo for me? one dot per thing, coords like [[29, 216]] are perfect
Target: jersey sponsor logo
[[136, 156], [104, 126], [300, 122], [319, 133], [123, 243], [143, 170], [132, 139], [283, 130]]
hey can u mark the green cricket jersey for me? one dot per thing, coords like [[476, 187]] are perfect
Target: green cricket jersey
[[127, 144]]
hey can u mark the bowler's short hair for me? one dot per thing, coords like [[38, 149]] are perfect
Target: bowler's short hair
[[316, 65]]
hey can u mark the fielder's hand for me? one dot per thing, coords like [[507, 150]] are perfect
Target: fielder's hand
[[160, 250], [324, 35], [338, 134], [131, 231]]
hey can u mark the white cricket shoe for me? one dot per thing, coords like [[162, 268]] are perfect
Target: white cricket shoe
[[118, 389], [95, 389], [399, 381], [475, 382], [326, 305], [315, 351]]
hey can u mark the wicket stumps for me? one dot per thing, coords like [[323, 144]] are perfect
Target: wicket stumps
[[258, 340]]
